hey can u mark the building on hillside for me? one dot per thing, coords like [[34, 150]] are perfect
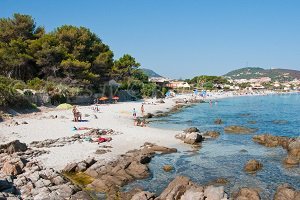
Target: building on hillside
[[178, 84], [161, 81]]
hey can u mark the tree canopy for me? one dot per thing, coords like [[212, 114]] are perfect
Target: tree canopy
[[70, 55]]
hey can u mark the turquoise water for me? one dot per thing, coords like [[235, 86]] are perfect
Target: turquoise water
[[222, 157]]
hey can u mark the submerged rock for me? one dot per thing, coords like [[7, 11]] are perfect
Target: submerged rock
[[279, 121], [218, 121], [212, 134], [239, 129], [168, 168], [252, 166], [292, 145], [271, 141]]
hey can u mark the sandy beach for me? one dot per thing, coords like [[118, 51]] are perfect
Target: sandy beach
[[54, 123], [44, 125]]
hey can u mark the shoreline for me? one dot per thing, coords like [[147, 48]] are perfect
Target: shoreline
[[42, 126]]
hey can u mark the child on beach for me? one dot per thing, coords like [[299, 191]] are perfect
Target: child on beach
[[142, 109], [134, 113], [77, 114]]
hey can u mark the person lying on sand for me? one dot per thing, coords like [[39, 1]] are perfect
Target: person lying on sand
[[81, 128]]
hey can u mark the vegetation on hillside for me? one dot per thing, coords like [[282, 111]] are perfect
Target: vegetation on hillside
[[74, 57], [256, 72], [207, 82]]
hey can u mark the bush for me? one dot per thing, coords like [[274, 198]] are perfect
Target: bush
[[148, 89], [36, 84]]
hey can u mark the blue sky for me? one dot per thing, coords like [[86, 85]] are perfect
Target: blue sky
[[181, 39]]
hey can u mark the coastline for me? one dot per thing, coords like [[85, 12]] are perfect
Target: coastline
[[42, 126]]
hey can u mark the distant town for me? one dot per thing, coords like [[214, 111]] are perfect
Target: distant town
[[283, 81]]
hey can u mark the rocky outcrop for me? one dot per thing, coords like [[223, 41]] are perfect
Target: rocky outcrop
[[252, 166], [182, 188], [108, 177], [13, 147], [239, 130], [292, 145], [26, 178], [286, 192], [247, 193]]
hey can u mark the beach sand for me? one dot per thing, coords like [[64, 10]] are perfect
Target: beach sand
[[43, 125]]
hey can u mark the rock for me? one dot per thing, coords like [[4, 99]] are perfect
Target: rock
[[82, 166], [90, 161], [220, 181], [239, 130], [193, 138], [143, 196], [5, 185], [161, 149], [145, 159], [279, 122], [286, 192], [148, 116], [191, 130], [160, 101], [214, 193], [13, 167], [270, 140], [218, 121], [290, 161], [137, 170], [243, 151], [24, 122], [102, 151], [12, 147], [247, 193], [194, 193], [168, 168], [65, 191], [252, 122], [70, 167], [81, 195], [58, 180], [252, 166], [212, 134], [176, 188]]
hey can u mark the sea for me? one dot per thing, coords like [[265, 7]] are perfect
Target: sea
[[226, 156]]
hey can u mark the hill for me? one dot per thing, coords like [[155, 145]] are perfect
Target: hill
[[150, 73], [256, 72]]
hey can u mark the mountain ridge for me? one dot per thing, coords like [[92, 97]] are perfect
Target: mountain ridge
[[150, 73], [277, 74]]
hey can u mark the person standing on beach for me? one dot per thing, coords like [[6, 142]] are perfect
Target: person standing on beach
[[134, 113], [142, 109]]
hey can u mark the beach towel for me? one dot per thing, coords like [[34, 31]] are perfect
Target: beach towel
[[102, 139]]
